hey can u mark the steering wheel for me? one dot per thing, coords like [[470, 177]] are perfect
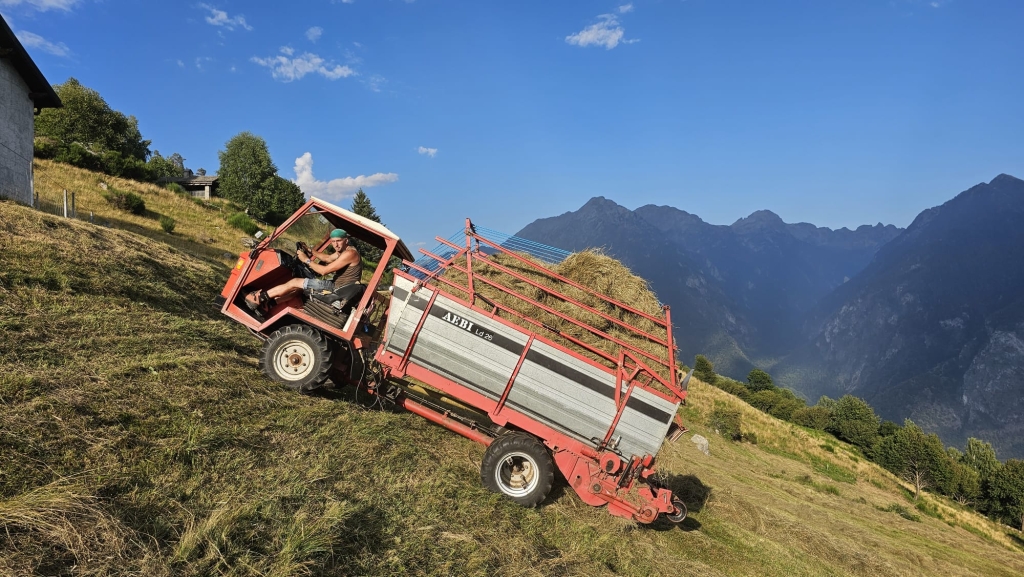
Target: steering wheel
[[301, 246]]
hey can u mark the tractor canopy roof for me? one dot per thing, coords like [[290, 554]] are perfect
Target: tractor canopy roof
[[366, 230]]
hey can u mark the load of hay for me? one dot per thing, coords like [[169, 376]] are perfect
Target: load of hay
[[602, 274]]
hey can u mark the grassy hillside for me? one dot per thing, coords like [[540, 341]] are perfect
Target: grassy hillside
[[200, 230], [137, 436]]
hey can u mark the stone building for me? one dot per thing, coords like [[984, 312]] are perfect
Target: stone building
[[24, 91]]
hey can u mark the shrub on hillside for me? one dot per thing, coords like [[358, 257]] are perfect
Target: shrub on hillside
[[167, 223], [242, 222], [77, 155], [704, 370], [815, 417], [726, 422], [854, 421], [43, 147], [175, 188], [758, 380], [126, 201], [733, 387]]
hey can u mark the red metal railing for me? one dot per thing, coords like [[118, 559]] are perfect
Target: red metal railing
[[626, 355]]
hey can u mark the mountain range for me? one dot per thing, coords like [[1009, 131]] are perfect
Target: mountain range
[[925, 322]]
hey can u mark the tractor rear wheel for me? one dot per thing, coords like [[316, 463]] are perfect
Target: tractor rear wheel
[[520, 467], [298, 356]]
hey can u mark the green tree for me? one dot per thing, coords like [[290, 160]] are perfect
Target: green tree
[[201, 172], [887, 428], [704, 370], [915, 457], [285, 198], [247, 174], [964, 484], [980, 456], [1007, 488], [854, 421], [87, 119], [758, 380], [161, 167], [362, 206], [178, 162]]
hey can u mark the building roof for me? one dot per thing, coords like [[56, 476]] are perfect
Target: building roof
[[195, 180], [40, 91]]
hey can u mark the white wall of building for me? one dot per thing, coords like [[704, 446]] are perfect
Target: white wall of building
[[17, 127]]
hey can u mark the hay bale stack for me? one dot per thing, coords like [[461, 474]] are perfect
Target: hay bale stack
[[591, 268]]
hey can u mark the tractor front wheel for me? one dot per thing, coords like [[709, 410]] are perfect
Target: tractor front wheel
[[297, 356], [520, 467]]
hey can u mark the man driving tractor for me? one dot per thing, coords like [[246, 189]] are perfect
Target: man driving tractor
[[345, 262]]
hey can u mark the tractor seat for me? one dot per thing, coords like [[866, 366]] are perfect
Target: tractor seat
[[342, 298]]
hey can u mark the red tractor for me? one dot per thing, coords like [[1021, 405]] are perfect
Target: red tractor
[[539, 402]]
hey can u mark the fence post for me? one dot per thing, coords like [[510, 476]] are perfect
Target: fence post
[[65, 203], [74, 207], [91, 221]]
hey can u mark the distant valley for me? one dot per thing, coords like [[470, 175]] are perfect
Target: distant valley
[[924, 323]]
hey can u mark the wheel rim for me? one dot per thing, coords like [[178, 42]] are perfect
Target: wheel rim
[[680, 513], [294, 360], [518, 474]]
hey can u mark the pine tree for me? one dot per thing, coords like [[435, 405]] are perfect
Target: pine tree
[[362, 206]]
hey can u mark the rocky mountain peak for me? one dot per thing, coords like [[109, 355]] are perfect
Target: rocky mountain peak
[[759, 220]]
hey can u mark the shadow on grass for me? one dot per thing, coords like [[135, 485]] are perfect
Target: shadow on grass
[[1016, 540], [694, 494]]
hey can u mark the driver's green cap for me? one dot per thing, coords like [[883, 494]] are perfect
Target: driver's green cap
[[338, 233]]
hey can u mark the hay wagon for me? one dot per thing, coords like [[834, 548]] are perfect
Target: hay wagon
[[551, 374]]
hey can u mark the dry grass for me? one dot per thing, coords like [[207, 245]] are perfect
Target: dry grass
[[139, 438], [199, 231]]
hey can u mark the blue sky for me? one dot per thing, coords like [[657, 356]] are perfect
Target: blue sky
[[834, 112]]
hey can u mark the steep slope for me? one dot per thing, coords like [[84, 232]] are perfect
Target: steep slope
[[200, 229], [139, 438], [933, 328]]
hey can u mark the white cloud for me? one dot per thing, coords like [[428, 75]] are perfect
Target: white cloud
[[336, 189], [626, 8], [202, 60], [181, 64], [431, 152], [314, 33], [375, 82], [42, 5], [288, 69], [287, 50], [33, 40], [221, 18], [607, 33]]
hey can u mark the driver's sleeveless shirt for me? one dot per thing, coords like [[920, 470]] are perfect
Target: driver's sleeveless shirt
[[350, 273]]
